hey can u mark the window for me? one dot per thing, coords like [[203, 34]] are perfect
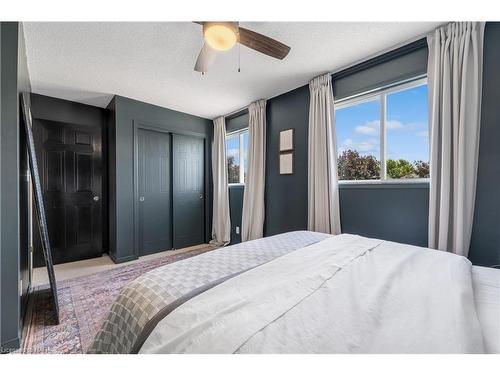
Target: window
[[384, 135], [236, 154], [358, 141]]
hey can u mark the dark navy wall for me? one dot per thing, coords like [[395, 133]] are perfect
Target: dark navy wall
[[9, 190], [23, 85], [286, 195], [14, 78], [485, 244], [236, 208], [394, 212], [123, 113]]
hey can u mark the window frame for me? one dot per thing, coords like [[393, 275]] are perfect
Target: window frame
[[381, 93], [238, 133]]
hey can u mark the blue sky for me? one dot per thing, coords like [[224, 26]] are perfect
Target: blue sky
[[233, 149], [358, 127]]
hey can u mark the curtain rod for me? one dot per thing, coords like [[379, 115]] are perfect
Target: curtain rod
[[372, 56]]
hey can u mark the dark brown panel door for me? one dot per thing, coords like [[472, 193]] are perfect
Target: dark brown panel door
[[154, 193], [188, 191], [70, 164]]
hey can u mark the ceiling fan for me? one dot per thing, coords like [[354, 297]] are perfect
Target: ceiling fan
[[222, 36]]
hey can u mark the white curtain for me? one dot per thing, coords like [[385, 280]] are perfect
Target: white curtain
[[455, 88], [252, 225], [323, 200], [221, 222]]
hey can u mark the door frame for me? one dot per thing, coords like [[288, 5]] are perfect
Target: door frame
[[145, 125]]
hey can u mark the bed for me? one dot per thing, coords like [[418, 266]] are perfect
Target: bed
[[308, 292]]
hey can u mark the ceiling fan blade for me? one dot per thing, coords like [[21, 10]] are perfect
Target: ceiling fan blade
[[263, 44], [205, 59]]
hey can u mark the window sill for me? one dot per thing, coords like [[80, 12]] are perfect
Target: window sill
[[236, 185], [415, 183]]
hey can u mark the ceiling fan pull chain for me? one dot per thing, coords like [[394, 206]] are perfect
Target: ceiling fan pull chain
[[239, 58]]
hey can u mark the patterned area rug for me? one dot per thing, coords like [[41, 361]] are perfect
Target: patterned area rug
[[84, 303]]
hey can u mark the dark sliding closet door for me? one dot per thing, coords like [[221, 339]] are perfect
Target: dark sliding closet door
[[188, 191], [154, 193]]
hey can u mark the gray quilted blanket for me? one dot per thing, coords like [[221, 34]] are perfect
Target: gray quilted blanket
[[141, 300]]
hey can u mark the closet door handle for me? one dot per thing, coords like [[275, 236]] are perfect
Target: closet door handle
[[201, 196], [141, 199]]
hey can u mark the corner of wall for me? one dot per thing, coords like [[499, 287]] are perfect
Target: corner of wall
[[23, 85], [10, 312]]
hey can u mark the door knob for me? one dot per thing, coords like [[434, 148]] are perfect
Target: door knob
[[201, 196], [141, 199], [96, 198]]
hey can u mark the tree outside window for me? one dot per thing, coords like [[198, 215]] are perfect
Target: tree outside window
[[384, 136], [236, 155]]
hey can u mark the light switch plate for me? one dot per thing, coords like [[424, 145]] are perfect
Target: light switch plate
[[237, 230]]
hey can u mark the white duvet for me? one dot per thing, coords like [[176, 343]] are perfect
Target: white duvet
[[346, 294]]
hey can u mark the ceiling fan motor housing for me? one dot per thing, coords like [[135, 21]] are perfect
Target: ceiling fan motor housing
[[221, 36]]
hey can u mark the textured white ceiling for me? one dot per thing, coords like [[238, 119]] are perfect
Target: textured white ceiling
[[153, 62]]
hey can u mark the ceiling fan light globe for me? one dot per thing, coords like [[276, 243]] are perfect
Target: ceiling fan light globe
[[220, 36]]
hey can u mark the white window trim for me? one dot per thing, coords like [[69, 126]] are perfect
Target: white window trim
[[381, 93], [238, 133], [389, 181]]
